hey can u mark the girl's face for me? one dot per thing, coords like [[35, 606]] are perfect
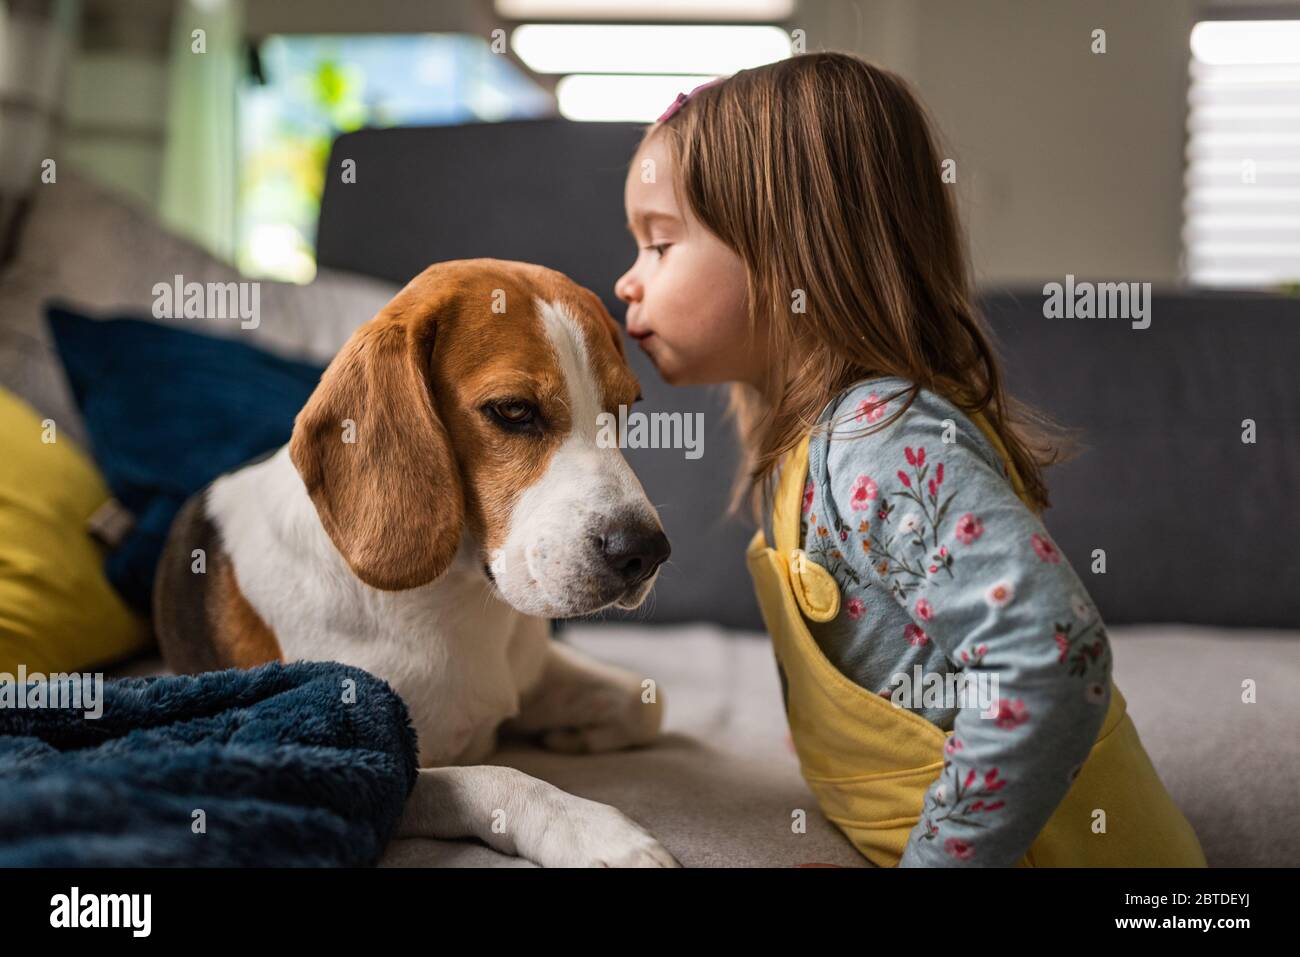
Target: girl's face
[[686, 292]]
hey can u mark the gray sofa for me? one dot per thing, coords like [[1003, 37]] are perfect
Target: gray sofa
[[1202, 588], [1197, 526]]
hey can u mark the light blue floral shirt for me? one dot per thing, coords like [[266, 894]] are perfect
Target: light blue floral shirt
[[940, 565]]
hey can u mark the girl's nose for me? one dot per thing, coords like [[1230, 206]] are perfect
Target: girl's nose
[[627, 288]]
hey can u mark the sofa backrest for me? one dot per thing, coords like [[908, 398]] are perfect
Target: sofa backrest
[[1196, 525]]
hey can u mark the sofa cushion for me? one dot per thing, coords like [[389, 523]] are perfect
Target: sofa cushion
[[167, 411], [58, 612], [721, 785], [82, 243]]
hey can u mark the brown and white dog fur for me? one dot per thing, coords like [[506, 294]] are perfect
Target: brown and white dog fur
[[442, 496]]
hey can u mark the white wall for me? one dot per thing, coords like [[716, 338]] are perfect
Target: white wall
[[1068, 161], [115, 112], [114, 107]]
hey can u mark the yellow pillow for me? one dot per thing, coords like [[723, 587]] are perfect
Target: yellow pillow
[[57, 610]]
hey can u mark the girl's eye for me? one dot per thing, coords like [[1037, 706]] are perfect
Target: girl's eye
[[659, 248]]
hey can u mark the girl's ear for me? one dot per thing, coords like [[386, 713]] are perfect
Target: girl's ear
[[375, 456]]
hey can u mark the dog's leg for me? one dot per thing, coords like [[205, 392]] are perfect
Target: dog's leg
[[517, 814], [580, 704]]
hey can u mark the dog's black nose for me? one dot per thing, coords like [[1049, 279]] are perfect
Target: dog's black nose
[[633, 554]]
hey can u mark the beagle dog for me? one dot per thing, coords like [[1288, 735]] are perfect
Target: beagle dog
[[442, 496]]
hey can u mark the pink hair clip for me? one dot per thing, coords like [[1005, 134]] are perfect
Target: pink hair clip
[[683, 97]]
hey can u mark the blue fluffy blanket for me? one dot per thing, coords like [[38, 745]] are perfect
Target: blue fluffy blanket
[[302, 764]]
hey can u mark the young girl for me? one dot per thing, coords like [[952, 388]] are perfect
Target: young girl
[[797, 240]]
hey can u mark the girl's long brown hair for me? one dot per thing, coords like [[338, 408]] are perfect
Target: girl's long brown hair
[[821, 173]]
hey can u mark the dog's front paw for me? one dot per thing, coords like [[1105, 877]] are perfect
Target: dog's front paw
[[583, 833], [620, 717]]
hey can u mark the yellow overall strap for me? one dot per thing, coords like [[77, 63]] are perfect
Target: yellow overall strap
[[815, 589]]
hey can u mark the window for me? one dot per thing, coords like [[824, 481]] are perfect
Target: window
[[1242, 202], [313, 88]]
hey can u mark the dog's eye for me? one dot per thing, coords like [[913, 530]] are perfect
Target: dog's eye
[[514, 414]]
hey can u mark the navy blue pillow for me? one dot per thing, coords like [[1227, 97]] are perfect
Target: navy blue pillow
[[167, 411]]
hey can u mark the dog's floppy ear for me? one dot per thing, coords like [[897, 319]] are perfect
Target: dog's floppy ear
[[375, 456], [610, 323]]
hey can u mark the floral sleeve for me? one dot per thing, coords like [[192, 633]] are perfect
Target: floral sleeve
[[976, 572]]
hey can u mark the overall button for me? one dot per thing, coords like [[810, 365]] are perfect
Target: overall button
[[814, 587]]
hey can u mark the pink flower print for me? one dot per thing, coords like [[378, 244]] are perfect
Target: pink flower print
[[1045, 549], [999, 594], [871, 409], [911, 456], [863, 493], [969, 528], [1063, 643], [855, 607], [938, 474], [902, 477], [943, 551], [956, 847], [808, 495], [934, 488], [953, 746], [924, 611], [920, 457], [914, 635], [991, 783], [1011, 714]]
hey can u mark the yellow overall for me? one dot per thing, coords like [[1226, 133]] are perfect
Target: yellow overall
[[869, 763]]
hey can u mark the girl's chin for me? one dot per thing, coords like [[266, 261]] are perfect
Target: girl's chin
[[668, 370], [676, 376], [653, 350], [672, 370]]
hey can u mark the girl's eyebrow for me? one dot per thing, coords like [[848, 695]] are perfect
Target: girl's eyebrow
[[644, 218]]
